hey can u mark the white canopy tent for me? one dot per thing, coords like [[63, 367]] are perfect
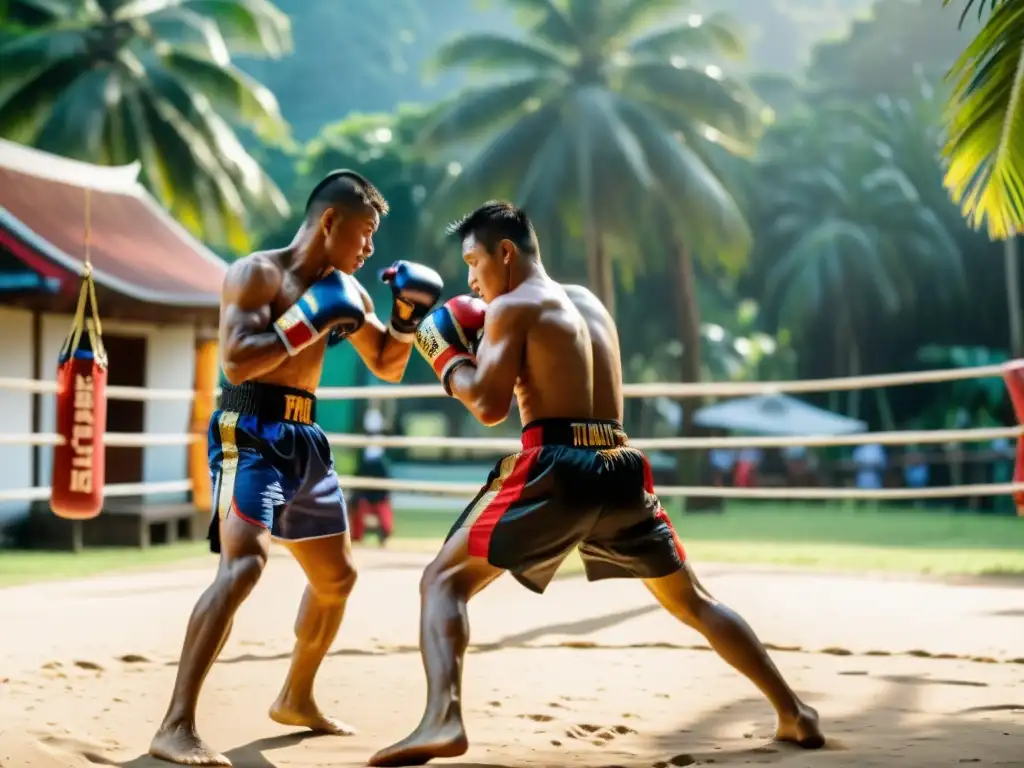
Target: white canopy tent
[[775, 415]]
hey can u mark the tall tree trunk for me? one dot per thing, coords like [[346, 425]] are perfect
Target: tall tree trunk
[[1011, 256], [599, 268], [853, 369], [885, 409], [688, 320]]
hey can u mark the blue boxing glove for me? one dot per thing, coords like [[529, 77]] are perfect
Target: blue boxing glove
[[331, 304], [415, 289]]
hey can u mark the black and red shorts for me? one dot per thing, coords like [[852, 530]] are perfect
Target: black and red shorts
[[574, 484]]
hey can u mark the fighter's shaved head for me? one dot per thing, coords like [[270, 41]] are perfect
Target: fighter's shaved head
[[346, 189]]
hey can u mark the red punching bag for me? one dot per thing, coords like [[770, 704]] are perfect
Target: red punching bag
[[78, 458]]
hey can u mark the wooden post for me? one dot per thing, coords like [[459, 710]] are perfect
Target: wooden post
[[37, 400], [203, 406]]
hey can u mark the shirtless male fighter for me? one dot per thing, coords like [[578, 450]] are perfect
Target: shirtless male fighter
[[272, 468], [576, 482]]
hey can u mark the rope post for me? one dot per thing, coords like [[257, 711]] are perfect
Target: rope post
[[1013, 377], [203, 405]]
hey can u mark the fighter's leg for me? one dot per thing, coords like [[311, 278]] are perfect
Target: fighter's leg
[[385, 520], [244, 550], [327, 563], [733, 639], [357, 519], [446, 587]]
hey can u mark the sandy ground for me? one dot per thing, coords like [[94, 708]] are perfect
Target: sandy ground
[[588, 675]]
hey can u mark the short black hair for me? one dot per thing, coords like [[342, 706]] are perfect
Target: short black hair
[[347, 189], [494, 221]]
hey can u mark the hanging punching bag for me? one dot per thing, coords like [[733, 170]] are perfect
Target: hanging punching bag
[[1013, 377], [78, 457]]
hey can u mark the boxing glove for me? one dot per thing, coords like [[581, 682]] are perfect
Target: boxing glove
[[415, 289], [331, 304], [450, 335]]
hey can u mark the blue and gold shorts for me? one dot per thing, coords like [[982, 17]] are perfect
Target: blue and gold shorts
[[272, 466]]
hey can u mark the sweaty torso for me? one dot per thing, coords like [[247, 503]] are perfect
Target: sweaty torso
[[302, 371], [571, 367]]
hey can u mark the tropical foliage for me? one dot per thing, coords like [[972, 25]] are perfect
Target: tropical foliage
[[117, 81], [382, 147], [889, 50], [600, 114], [985, 121], [846, 220], [630, 132]]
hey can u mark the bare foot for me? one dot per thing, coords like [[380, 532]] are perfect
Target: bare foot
[[181, 744], [804, 730], [309, 716], [425, 743]]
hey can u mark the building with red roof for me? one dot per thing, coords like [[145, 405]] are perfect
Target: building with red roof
[[158, 290], [142, 258]]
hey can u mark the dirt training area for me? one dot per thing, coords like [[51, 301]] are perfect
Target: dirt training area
[[904, 672]]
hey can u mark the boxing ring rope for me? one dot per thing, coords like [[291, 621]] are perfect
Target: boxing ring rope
[[711, 388], [508, 445], [710, 491], [111, 490]]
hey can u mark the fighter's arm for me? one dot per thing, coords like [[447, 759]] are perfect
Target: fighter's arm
[[385, 355], [486, 388], [249, 346]]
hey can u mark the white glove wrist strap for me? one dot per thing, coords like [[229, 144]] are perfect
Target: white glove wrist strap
[[405, 338]]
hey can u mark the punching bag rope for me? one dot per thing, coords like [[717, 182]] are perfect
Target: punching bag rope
[[78, 458]]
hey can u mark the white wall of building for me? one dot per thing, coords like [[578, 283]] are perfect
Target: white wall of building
[[15, 407], [170, 364]]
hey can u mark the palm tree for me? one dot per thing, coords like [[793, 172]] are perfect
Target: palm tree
[[912, 127], [599, 122], [985, 121], [115, 81], [985, 138], [849, 239], [382, 45]]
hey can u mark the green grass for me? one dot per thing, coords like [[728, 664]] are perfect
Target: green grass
[[23, 566], [811, 535], [940, 542]]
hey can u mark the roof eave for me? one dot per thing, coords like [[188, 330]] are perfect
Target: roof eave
[[74, 265]]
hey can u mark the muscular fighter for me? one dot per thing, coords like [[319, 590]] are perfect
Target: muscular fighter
[[575, 483], [271, 465]]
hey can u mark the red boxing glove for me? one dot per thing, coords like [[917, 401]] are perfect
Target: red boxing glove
[[469, 313], [450, 335]]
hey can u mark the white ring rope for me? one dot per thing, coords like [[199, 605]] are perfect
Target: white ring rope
[[113, 490], [713, 388], [710, 492], [510, 445], [352, 482], [49, 387], [111, 439]]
